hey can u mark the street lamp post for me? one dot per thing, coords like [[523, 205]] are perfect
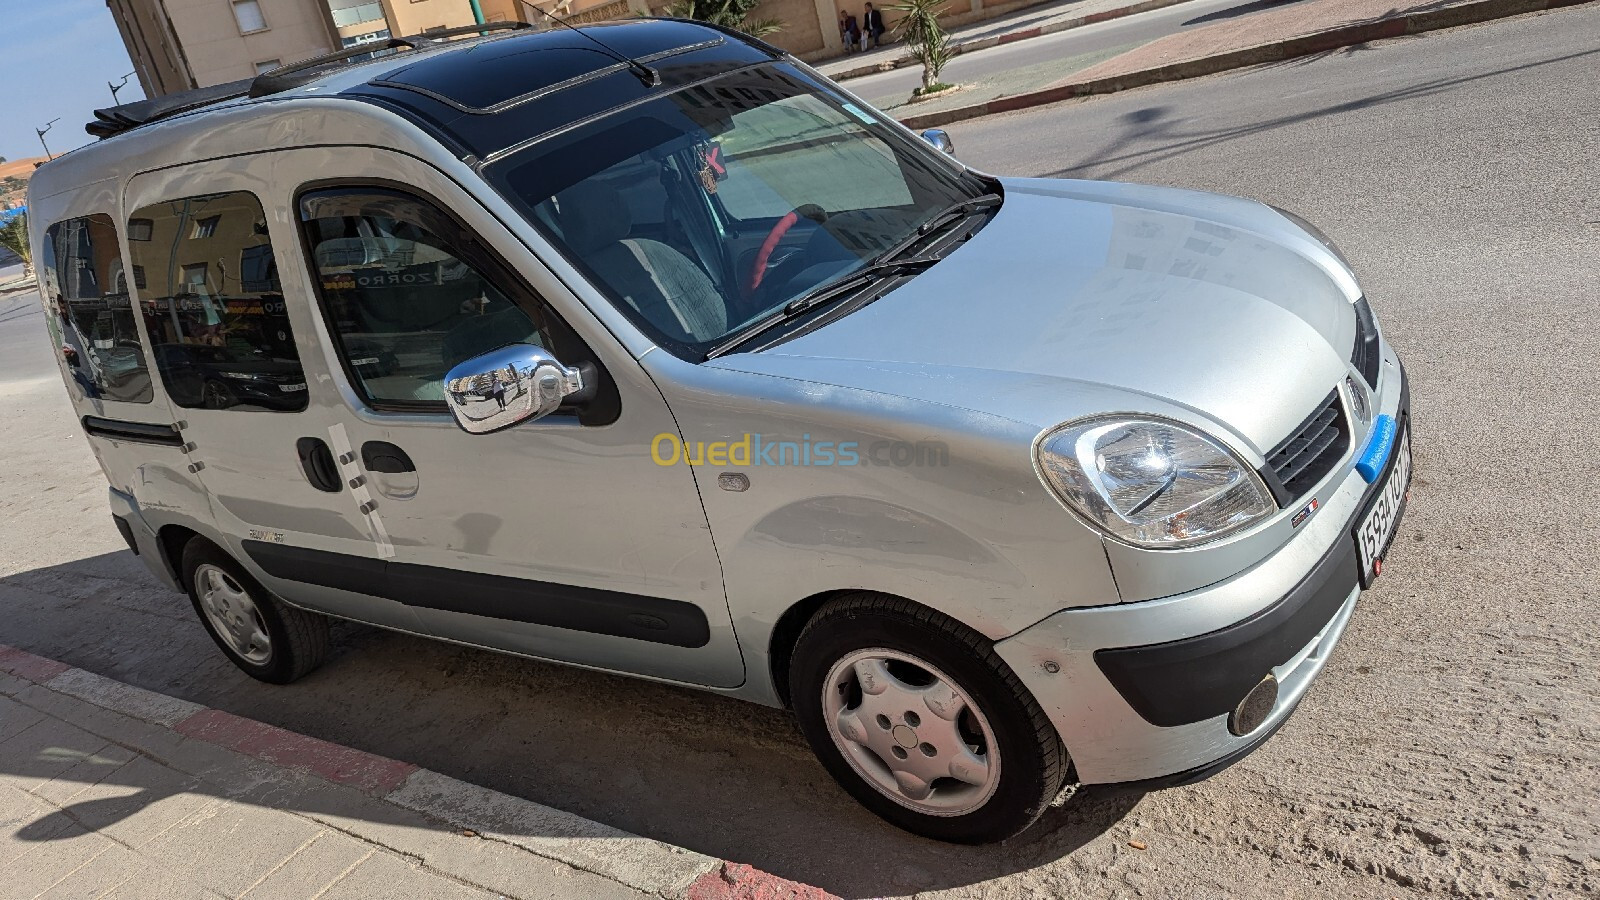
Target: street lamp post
[[118, 86], [41, 131]]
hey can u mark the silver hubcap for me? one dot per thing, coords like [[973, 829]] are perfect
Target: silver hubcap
[[911, 732], [232, 613]]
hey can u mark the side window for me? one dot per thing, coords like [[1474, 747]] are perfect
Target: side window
[[408, 295], [91, 317], [219, 330]]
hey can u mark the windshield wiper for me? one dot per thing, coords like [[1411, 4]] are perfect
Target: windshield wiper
[[824, 293], [955, 212]]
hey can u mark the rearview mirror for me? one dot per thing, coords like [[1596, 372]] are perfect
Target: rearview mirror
[[514, 384], [940, 139]]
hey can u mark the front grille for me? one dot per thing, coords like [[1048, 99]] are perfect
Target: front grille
[[1364, 356], [1308, 454]]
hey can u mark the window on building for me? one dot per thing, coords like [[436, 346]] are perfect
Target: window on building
[[204, 228], [267, 65], [407, 297], [193, 277], [138, 229], [355, 12], [248, 14], [91, 317], [218, 327]]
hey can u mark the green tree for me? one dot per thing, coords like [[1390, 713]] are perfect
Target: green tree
[[14, 237], [926, 40], [727, 13]]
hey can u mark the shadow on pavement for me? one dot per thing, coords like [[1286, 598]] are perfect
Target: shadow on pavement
[[1174, 137], [1235, 12], [719, 776]]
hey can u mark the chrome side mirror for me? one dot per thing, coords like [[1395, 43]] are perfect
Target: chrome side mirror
[[500, 388], [940, 139]]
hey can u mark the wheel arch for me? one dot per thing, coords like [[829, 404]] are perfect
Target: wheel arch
[[786, 631], [172, 539]]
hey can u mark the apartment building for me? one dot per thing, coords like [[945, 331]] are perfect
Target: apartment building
[[176, 45], [180, 44]]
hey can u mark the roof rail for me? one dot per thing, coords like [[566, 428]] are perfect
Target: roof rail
[[114, 120]]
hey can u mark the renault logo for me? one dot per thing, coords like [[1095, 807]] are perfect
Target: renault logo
[[1358, 398]]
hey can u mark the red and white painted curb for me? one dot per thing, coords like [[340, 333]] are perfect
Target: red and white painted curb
[[640, 863]]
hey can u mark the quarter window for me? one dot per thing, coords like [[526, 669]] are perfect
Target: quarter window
[[90, 315], [213, 309], [407, 297]]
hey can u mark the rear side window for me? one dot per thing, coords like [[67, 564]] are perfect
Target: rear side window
[[407, 296], [213, 307], [91, 317]]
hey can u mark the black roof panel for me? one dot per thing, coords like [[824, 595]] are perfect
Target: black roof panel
[[533, 84], [491, 74]]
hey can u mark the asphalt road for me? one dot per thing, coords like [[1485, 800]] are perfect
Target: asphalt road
[[1104, 36], [1452, 746]]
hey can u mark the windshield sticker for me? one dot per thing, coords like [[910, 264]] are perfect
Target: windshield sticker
[[856, 111]]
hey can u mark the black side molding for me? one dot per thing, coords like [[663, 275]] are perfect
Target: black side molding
[[136, 432], [592, 610]]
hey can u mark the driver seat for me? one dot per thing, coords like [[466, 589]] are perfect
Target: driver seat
[[657, 280]]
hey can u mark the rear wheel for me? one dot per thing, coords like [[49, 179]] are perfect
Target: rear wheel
[[264, 636], [916, 716]]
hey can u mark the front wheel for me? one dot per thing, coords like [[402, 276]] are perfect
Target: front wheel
[[916, 717]]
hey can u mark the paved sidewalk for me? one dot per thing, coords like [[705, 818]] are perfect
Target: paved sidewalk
[[1029, 22], [1305, 28], [111, 791]]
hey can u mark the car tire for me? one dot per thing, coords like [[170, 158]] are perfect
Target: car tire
[[891, 694], [267, 638]]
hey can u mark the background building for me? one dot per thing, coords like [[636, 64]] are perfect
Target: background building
[[176, 45]]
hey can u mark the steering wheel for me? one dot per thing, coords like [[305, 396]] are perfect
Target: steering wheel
[[758, 269]]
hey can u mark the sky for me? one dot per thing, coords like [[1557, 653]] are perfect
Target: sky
[[55, 59]]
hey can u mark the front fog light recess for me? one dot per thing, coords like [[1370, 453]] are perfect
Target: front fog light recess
[[1151, 482]]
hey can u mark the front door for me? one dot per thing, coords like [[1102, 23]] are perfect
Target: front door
[[558, 538]]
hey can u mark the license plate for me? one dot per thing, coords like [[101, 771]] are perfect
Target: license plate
[[1376, 529], [291, 388]]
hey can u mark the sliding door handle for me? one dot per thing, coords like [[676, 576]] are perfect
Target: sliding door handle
[[317, 461]]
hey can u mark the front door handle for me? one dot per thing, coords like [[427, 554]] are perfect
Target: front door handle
[[317, 461], [382, 456]]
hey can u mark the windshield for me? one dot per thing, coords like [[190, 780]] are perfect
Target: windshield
[[716, 205]]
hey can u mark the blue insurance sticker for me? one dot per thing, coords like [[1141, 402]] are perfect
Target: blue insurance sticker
[[1378, 447]]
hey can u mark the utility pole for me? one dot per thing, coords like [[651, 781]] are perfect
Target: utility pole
[[118, 86], [41, 131]]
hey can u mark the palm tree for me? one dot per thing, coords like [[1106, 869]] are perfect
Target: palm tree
[[727, 13], [14, 237], [928, 43]]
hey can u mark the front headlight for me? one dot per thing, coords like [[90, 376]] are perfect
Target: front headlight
[[1150, 482]]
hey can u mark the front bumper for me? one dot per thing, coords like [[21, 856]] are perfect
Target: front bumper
[[1142, 692]]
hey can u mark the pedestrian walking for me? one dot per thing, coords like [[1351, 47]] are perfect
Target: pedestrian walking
[[875, 27]]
